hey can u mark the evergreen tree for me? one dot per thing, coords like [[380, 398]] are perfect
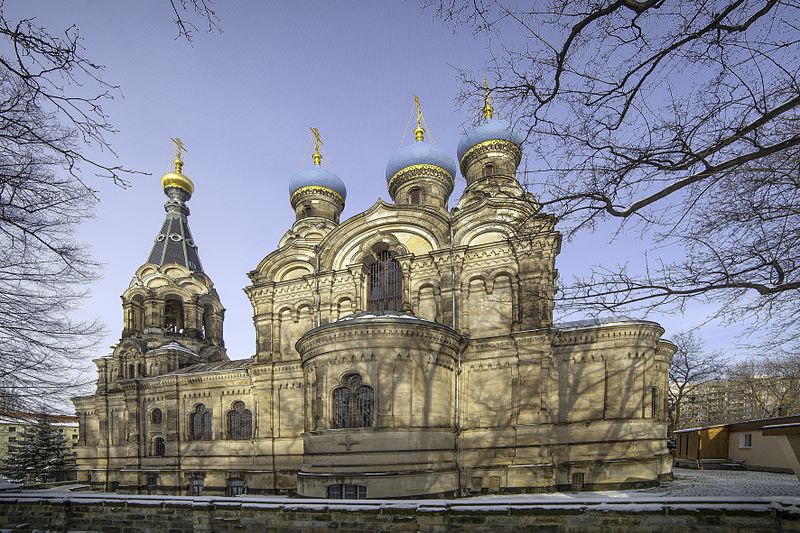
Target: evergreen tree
[[42, 455]]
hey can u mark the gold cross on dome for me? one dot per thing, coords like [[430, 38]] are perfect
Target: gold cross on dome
[[180, 148], [317, 157]]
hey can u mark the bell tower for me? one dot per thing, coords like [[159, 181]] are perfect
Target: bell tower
[[172, 315]]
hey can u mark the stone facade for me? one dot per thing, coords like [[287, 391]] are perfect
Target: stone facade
[[408, 350]]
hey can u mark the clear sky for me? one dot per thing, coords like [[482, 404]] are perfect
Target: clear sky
[[243, 102]]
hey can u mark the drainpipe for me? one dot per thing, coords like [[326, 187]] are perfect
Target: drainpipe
[[316, 285], [456, 442]]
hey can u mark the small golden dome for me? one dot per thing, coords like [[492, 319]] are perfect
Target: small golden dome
[[177, 179]]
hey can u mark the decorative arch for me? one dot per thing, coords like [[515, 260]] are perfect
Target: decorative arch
[[158, 446], [427, 301], [200, 423], [239, 422]]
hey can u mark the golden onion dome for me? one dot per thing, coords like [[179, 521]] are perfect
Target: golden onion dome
[[177, 179]]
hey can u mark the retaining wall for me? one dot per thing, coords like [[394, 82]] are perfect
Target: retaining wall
[[110, 513]]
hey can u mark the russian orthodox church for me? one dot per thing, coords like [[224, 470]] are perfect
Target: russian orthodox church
[[406, 351]]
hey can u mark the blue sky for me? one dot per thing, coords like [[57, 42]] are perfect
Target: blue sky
[[242, 101]]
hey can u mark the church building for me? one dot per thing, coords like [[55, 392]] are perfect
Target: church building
[[406, 351]]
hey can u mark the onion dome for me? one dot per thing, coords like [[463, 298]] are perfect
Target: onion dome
[[177, 178], [490, 129], [419, 153], [316, 177]]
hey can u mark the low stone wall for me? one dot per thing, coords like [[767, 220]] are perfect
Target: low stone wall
[[109, 513]]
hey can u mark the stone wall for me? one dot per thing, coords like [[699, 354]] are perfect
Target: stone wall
[[113, 514]]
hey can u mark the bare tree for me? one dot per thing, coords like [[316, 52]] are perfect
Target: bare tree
[[49, 122], [677, 119], [770, 383], [691, 368]]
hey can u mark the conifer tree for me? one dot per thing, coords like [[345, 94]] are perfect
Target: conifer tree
[[41, 456]]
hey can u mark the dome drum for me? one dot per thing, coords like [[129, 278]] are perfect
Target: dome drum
[[421, 185], [492, 148], [380, 384], [317, 201], [422, 166], [491, 159]]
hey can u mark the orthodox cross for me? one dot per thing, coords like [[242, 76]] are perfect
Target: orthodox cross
[[317, 157], [180, 148], [419, 133], [348, 442], [488, 110]]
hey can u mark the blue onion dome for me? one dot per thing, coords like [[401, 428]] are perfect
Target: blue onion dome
[[420, 153], [317, 176], [490, 129]]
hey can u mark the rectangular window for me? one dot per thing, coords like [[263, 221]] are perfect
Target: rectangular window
[[577, 481], [347, 492], [746, 440], [196, 486], [236, 487]]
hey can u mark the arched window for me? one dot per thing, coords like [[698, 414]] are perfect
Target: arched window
[[353, 404], [140, 369], [137, 312], [173, 316], [159, 447], [208, 321], [385, 284], [200, 423], [415, 196], [240, 422], [654, 401], [131, 371], [155, 416], [488, 170]]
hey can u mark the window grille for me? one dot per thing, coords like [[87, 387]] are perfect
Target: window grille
[[347, 492], [353, 404], [240, 422], [196, 486], [236, 487], [385, 284], [201, 423], [577, 481], [159, 447], [155, 416]]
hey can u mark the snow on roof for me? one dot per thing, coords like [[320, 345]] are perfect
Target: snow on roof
[[219, 366], [600, 321], [371, 315]]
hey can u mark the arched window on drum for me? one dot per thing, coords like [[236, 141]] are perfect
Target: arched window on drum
[[353, 404]]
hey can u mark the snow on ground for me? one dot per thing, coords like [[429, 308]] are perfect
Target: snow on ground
[[687, 483], [5, 484]]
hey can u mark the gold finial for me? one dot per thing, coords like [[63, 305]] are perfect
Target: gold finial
[[488, 110], [419, 133], [317, 157], [179, 149]]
